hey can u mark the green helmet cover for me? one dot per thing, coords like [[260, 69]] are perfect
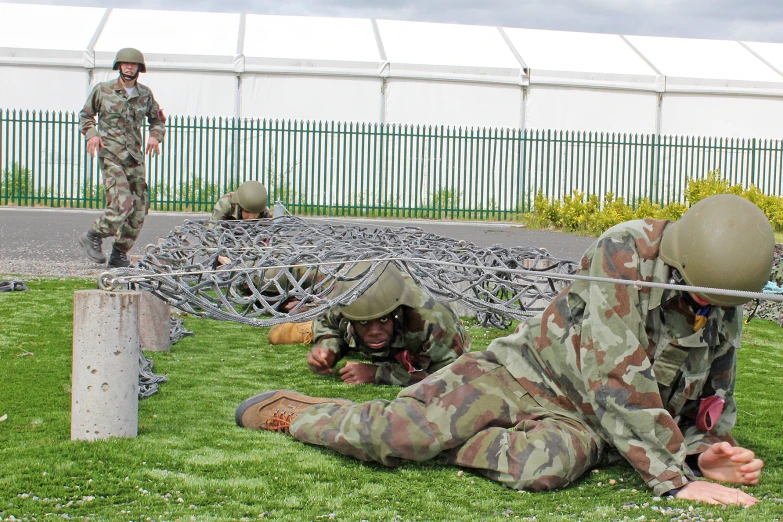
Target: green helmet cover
[[389, 291], [251, 196], [129, 55], [723, 241]]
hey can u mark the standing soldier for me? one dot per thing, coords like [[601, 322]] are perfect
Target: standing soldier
[[121, 106], [404, 332], [248, 202], [606, 368]]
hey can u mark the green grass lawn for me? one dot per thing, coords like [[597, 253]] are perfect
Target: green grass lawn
[[191, 462]]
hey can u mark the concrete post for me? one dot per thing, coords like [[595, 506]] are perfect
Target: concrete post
[[154, 323], [106, 348]]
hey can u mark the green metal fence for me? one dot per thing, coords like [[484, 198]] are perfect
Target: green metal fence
[[333, 168]]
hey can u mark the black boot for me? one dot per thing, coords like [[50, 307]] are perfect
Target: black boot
[[117, 259], [91, 244]]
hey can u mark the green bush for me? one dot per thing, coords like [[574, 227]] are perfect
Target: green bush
[[17, 183], [590, 215]]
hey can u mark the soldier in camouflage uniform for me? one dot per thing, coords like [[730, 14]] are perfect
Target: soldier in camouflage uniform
[[248, 202], [642, 372], [121, 106], [404, 332]]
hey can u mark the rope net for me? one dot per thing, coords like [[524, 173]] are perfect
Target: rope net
[[271, 271]]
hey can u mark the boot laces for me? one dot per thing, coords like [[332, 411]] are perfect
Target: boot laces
[[280, 420], [96, 241]]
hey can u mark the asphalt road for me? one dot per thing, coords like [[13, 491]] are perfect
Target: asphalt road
[[43, 241]]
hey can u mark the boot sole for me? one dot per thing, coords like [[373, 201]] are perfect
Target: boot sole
[[83, 241], [252, 401]]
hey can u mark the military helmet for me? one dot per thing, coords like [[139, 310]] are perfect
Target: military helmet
[[723, 241], [388, 292], [251, 196], [129, 55]]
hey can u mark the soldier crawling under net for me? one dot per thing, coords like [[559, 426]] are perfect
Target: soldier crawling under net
[[403, 331], [607, 369]]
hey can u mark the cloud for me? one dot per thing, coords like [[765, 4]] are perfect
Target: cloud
[[755, 20]]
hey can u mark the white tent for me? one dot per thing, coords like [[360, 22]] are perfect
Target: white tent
[[363, 70]]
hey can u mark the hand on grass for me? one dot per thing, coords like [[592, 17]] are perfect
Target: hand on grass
[[320, 360], [712, 493], [358, 373]]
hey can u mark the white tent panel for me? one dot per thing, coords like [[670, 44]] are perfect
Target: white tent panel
[[46, 35], [320, 98], [736, 116], [695, 65], [171, 39], [577, 52], [771, 52], [31, 88], [453, 103], [306, 40], [568, 108], [185, 93], [448, 48]]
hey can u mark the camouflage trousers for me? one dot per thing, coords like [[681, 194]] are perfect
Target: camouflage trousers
[[126, 203], [472, 413]]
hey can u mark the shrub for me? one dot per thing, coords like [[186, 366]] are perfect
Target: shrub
[[592, 216], [17, 183]]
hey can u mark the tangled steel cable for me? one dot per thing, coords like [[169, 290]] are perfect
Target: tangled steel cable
[[270, 271]]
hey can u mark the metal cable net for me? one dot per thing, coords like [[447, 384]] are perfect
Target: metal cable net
[[249, 271]]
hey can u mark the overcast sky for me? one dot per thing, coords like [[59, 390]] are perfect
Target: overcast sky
[[753, 20]]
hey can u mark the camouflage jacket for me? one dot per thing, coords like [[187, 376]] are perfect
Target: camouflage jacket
[[426, 338], [225, 210], [120, 117], [628, 361]]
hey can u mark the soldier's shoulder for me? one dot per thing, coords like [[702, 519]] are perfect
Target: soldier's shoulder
[[143, 89]]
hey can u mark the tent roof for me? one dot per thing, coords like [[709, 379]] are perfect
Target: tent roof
[[169, 38], [89, 37], [467, 50], [310, 42], [59, 35], [562, 57]]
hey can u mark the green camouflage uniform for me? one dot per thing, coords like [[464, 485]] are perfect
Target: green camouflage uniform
[[604, 369], [120, 117], [226, 210], [426, 338]]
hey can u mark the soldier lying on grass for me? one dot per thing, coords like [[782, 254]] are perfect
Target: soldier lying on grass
[[606, 369], [405, 333]]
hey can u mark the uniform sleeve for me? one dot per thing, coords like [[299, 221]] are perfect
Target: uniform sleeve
[[721, 383], [617, 373], [328, 333], [222, 208], [446, 341], [156, 120], [87, 125]]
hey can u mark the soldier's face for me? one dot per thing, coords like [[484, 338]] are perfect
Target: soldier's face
[[376, 334], [250, 215], [129, 69]]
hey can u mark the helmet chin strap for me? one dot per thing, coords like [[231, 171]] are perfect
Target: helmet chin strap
[[129, 78]]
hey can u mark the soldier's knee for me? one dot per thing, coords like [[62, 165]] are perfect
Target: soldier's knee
[[536, 484]]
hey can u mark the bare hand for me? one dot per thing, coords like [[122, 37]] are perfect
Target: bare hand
[[711, 493], [94, 145], [152, 146], [320, 360], [732, 464], [358, 373]]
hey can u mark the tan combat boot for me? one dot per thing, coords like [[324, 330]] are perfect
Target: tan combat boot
[[291, 333], [274, 410]]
